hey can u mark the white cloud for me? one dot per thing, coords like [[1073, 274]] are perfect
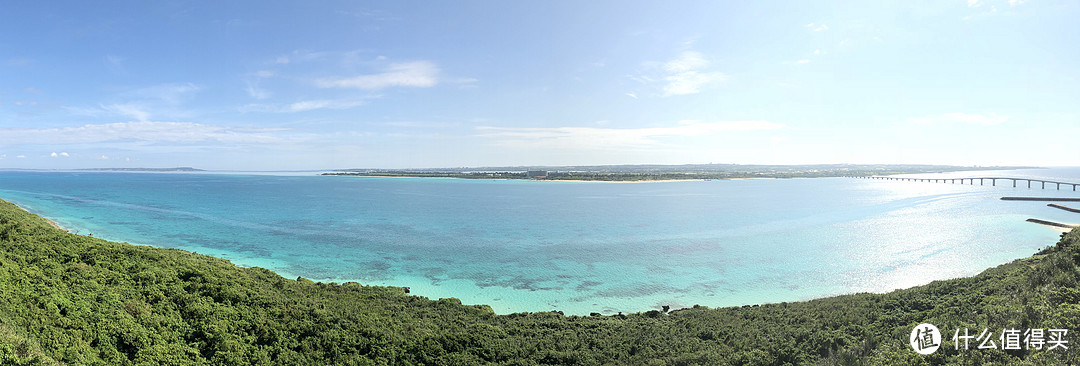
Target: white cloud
[[420, 74], [686, 62], [632, 95], [961, 118], [174, 132], [63, 154], [607, 138], [1016, 2], [686, 74], [973, 3], [818, 27]]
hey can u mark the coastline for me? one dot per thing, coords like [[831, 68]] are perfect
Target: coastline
[[51, 222]]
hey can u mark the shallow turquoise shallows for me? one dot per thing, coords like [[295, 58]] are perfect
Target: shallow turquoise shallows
[[574, 247]]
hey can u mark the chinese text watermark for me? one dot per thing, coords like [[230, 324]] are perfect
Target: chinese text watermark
[[926, 339]]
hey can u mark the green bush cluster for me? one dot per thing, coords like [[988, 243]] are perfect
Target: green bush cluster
[[70, 299]]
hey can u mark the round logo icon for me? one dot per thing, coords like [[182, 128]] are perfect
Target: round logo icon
[[925, 338]]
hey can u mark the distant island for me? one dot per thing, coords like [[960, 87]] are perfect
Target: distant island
[[177, 169], [637, 173]]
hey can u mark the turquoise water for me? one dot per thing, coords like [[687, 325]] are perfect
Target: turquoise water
[[575, 247]]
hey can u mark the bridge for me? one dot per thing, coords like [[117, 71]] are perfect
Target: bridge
[[982, 181]]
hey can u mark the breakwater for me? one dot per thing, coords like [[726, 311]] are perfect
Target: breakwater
[[1051, 223], [1066, 208]]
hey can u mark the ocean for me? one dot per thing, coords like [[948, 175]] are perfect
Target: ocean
[[576, 247]]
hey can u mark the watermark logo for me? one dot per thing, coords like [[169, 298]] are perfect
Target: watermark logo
[[925, 338], [1037, 339]]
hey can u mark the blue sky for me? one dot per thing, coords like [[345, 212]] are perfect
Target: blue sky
[[257, 85]]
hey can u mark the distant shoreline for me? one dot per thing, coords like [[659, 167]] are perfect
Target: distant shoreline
[[542, 180], [641, 174]]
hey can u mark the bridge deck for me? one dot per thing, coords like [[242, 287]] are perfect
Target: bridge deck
[[993, 180]]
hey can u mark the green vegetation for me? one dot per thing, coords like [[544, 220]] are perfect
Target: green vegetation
[[72, 299], [634, 173]]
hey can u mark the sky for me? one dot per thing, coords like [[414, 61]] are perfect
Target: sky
[[293, 85]]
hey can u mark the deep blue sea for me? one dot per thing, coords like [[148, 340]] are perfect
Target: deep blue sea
[[577, 247]]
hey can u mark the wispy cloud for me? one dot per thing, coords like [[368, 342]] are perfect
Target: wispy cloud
[[170, 93], [412, 74], [172, 132], [607, 138], [961, 118], [253, 81], [308, 105], [299, 56], [115, 64], [255, 91], [18, 61], [145, 103], [133, 110], [688, 74], [817, 27]]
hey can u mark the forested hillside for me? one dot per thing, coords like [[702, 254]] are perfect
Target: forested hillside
[[69, 299]]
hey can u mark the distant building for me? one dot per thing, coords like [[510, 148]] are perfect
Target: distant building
[[536, 174]]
